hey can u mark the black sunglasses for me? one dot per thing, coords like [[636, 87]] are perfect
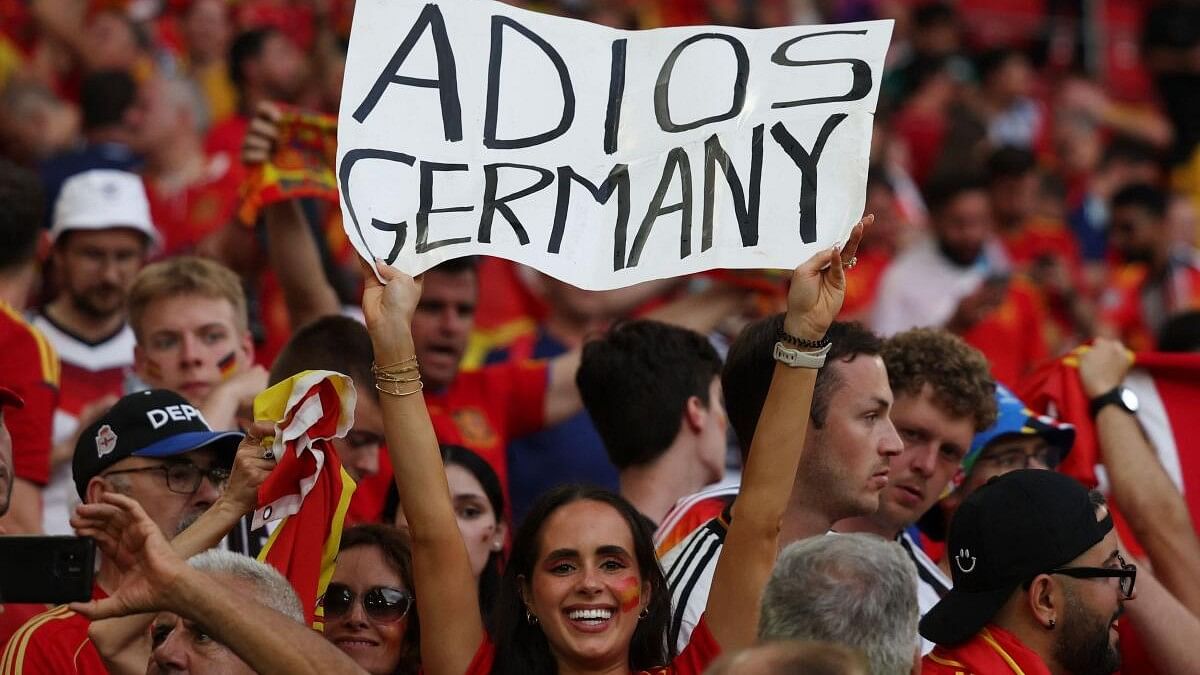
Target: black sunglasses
[[382, 604], [1126, 573]]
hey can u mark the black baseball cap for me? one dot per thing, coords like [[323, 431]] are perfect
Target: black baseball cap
[[151, 423], [1012, 529]]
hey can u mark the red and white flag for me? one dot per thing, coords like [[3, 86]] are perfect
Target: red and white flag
[[1168, 389], [308, 487]]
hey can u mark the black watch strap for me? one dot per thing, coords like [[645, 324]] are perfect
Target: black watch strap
[[1110, 397], [788, 339]]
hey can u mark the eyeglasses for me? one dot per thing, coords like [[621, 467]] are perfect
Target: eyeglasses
[[183, 477], [382, 604], [1046, 455], [1126, 573]]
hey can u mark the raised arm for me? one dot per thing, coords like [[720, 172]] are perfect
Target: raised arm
[[155, 578], [1149, 500], [752, 543], [123, 642], [291, 250], [446, 592]]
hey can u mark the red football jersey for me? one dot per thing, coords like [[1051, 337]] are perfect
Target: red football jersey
[[28, 366]]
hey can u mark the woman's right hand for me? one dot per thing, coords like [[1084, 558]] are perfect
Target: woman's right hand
[[388, 307]]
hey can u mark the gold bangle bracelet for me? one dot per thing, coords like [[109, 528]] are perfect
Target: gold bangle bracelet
[[392, 392], [386, 377], [412, 359]]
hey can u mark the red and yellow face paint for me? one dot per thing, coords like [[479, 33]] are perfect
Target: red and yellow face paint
[[228, 365], [629, 593]]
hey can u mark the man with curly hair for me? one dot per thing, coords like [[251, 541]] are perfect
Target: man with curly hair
[[944, 395]]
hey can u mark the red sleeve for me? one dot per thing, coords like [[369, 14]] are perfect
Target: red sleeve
[[525, 402], [700, 652], [38, 649], [29, 366]]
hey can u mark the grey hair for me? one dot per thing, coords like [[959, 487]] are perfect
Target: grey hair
[[270, 587], [851, 589]]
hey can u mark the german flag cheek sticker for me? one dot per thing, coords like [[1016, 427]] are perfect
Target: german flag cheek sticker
[[228, 365], [629, 593]]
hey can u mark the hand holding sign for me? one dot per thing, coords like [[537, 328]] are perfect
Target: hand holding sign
[[818, 287], [598, 156], [388, 308]]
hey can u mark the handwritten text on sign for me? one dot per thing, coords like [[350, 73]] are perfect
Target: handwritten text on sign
[[599, 156]]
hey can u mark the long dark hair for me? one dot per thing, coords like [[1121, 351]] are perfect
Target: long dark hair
[[489, 579], [397, 551], [521, 647]]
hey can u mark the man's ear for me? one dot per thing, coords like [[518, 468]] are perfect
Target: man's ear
[[695, 414], [1044, 598], [248, 348], [96, 487]]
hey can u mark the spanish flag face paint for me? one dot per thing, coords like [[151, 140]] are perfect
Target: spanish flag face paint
[[629, 593], [153, 371], [228, 365]]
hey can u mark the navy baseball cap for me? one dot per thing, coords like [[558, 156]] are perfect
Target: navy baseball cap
[[151, 423], [1015, 527]]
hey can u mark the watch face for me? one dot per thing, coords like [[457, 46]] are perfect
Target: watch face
[[1129, 400]]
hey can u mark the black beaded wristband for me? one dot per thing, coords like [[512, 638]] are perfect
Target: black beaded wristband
[[787, 338]]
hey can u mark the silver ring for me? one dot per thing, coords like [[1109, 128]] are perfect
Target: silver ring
[[269, 454], [850, 265]]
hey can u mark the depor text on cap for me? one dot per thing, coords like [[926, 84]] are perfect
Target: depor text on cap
[[151, 423]]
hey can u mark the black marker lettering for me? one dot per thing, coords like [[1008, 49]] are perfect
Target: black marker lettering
[[446, 82], [677, 160], [662, 106], [491, 204], [426, 207], [807, 161], [861, 72], [493, 89]]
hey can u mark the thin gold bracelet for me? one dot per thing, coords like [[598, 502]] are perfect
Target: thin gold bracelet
[[391, 392], [388, 377], [411, 359]]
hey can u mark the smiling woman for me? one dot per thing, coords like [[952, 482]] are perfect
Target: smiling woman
[[583, 592], [368, 606]]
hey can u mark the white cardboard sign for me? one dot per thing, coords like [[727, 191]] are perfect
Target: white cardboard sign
[[599, 156]]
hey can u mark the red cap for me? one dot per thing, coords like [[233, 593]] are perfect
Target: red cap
[[8, 397]]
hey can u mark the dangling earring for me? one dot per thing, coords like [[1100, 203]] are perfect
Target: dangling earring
[[497, 545], [530, 618], [644, 614], [1053, 623]]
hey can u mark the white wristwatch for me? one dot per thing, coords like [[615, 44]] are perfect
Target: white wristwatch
[[794, 358]]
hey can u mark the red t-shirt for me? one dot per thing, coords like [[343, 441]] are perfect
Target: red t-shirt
[[28, 366], [186, 216], [486, 408], [701, 651], [990, 652], [54, 643], [1012, 336]]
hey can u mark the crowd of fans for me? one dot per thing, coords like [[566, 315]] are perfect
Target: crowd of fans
[[638, 480]]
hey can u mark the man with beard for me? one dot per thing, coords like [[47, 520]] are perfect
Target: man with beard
[[1160, 277], [157, 449], [1039, 582], [102, 232], [960, 278]]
